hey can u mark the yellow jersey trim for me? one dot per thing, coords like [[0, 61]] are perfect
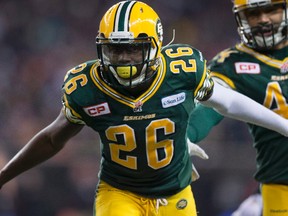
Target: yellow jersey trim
[[224, 78], [202, 78], [263, 58], [124, 99]]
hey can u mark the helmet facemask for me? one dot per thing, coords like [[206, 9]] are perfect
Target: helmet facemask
[[132, 71], [265, 36]]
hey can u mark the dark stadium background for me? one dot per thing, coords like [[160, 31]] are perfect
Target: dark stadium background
[[40, 40]]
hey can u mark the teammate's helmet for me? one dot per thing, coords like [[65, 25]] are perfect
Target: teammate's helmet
[[255, 36], [129, 25]]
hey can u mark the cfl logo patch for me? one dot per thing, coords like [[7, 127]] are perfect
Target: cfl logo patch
[[97, 110], [181, 204]]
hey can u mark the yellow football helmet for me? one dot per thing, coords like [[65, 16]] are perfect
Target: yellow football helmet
[[129, 26], [255, 36]]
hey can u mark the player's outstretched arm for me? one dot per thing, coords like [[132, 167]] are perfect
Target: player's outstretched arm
[[41, 147], [237, 106]]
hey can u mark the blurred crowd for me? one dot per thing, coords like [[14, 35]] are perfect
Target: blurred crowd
[[40, 41]]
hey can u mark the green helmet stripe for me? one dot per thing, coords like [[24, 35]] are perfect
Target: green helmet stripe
[[122, 16]]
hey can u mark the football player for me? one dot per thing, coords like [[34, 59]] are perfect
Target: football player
[[257, 67], [138, 96]]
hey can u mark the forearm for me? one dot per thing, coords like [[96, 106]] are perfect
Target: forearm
[[237, 106], [38, 150]]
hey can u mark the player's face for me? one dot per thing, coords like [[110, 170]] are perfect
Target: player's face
[[264, 18], [126, 53], [126, 59]]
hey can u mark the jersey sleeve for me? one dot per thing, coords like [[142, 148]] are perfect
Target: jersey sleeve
[[201, 121], [70, 90], [205, 87], [204, 81], [69, 113]]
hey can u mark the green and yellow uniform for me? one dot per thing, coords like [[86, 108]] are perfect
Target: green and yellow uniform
[[143, 139], [264, 78]]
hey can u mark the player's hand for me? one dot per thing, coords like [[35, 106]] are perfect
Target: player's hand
[[195, 150], [195, 174]]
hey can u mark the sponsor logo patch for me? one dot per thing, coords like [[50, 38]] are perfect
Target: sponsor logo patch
[[247, 68], [173, 100], [181, 204], [97, 110]]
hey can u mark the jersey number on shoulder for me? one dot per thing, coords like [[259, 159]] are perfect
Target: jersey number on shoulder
[[81, 79], [274, 97], [187, 65], [119, 152]]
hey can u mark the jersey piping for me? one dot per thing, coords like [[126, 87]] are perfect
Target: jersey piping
[[122, 98]]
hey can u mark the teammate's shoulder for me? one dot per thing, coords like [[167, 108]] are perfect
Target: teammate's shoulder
[[231, 51], [225, 55]]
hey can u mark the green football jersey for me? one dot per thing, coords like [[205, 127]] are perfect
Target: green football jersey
[[264, 78], [143, 139]]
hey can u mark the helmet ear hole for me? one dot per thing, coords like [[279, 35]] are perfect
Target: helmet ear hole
[[101, 35], [144, 35]]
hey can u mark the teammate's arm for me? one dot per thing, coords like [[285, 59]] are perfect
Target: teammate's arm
[[237, 106], [41, 147]]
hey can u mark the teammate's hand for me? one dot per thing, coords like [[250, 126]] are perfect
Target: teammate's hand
[[195, 150]]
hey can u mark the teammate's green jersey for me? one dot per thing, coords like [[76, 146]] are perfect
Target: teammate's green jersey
[[264, 78], [143, 139]]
